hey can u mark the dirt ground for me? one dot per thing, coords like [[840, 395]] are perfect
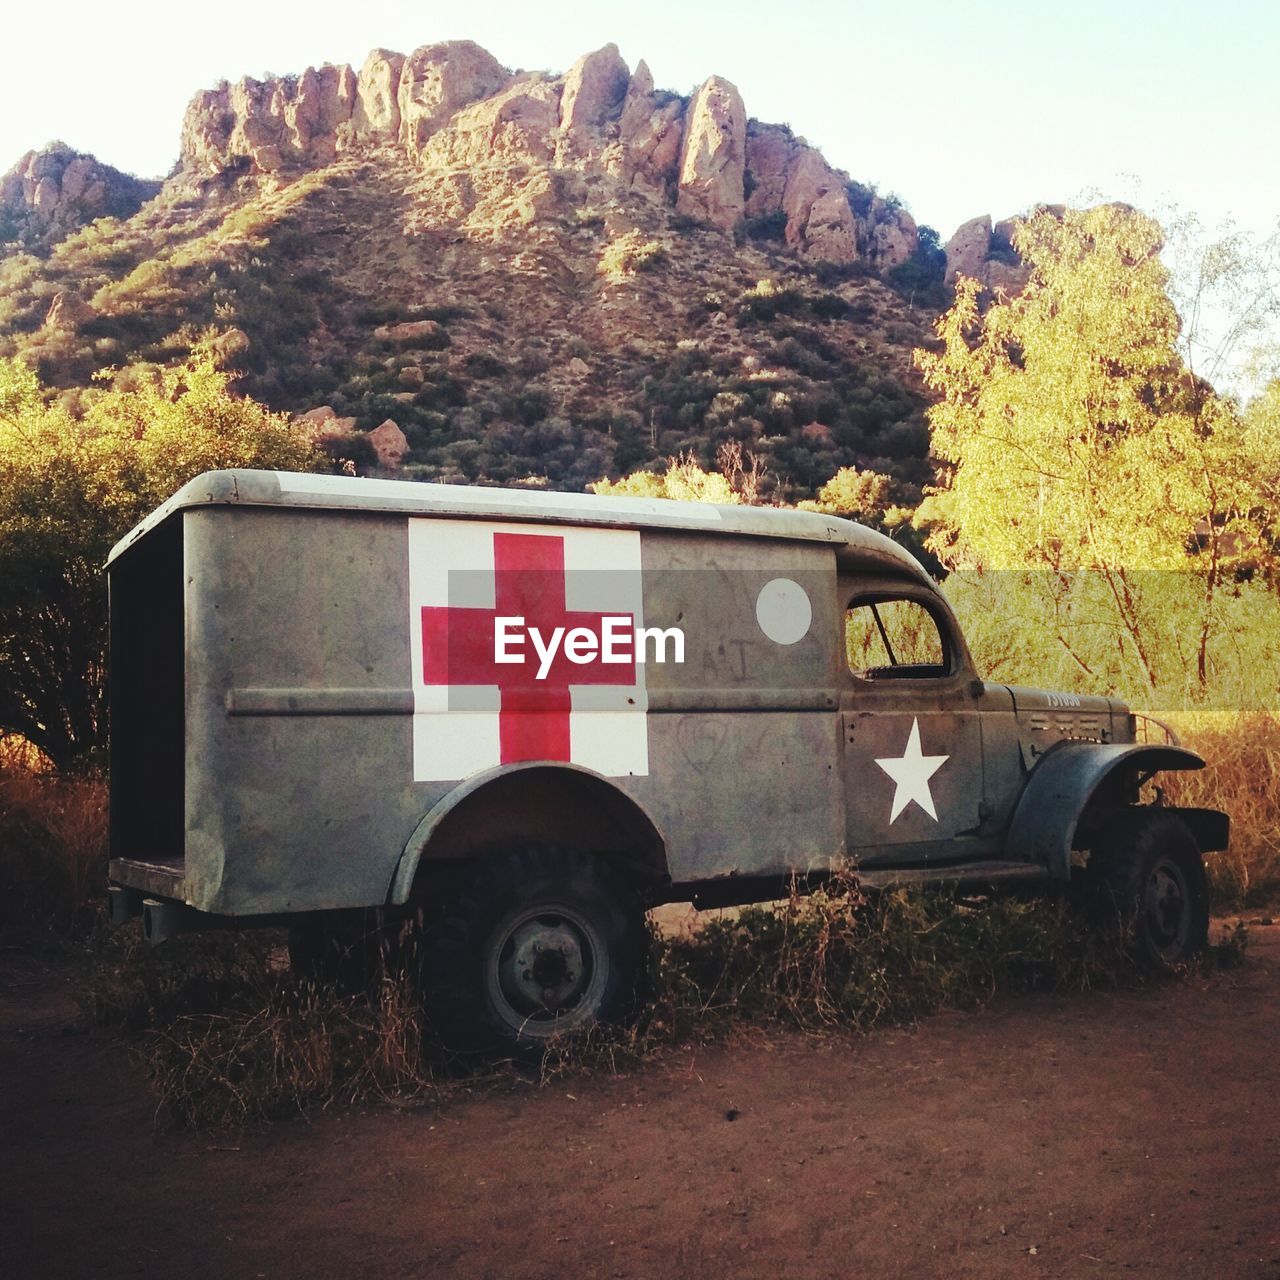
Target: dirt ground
[[1133, 1133]]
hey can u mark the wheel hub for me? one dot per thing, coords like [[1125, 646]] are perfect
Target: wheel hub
[[543, 969], [1166, 903]]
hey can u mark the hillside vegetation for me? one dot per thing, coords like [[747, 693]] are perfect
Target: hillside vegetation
[[547, 282]]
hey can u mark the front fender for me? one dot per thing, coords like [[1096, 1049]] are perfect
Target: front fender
[[1060, 788]]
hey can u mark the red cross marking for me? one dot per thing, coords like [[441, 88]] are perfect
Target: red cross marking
[[458, 648]]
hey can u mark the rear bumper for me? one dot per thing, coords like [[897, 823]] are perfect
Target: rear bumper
[[156, 891], [156, 879]]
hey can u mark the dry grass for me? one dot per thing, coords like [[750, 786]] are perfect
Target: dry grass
[[53, 848], [1242, 778], [229, 1036]]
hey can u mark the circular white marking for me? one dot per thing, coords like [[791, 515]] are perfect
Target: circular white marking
[[783, 611]]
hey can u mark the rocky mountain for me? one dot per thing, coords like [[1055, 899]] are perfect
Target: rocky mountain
[[55, 190], [460, 116], [466, 272]]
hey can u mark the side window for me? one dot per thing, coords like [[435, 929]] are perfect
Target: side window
[[893, 639]]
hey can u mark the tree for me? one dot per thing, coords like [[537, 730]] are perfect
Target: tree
[[857, 495], [69, 489], [1226, 285], [683, 480], [1074, 438]]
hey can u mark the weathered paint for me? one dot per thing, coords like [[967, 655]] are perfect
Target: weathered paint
[[1060, 787]]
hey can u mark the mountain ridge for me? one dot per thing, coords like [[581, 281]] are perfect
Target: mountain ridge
[[532, 277]]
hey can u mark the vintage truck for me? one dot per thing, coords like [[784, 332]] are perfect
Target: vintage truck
[[526, 717]]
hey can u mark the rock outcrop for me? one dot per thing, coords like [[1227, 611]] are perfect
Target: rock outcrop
[[594, 89], [524, 146], [376, 115], [264, 126], [649, 136], [985, 253], [713, 157], [68, 311], [968, 248], [890, 235], [785, 174], [55, 190], [436, 80]]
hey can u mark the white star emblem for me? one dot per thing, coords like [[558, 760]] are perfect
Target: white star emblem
[[911, 773]]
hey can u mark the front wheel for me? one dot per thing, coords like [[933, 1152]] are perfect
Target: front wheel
[[530, 944], [1146, 877]]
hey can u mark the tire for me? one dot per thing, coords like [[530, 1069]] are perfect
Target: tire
[[1146, 880], [528, 945]]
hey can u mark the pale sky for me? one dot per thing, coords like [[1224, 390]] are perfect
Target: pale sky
[[960, 108]]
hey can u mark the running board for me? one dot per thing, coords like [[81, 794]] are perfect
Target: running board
[[968, 874]]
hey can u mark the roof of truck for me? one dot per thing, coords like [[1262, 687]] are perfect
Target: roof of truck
[[412, 497]]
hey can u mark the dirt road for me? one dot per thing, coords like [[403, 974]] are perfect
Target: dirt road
[[1133, 1133]]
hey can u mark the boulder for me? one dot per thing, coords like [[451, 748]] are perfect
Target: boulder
[[713, 155], [68, 311], [321, 424], [408, 330], [228, 345], [314, 417], [967, 250], [389, 443]]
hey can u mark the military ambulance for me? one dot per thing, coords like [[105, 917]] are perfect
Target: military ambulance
[[526, 717]]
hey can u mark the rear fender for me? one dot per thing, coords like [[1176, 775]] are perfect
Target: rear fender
[[562, 804], [1044, 824]]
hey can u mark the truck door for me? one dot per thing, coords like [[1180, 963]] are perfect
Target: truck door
[[911, 734]]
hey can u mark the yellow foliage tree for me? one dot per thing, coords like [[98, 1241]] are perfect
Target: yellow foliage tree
[[69, 488], [1080, 453], [683, 481], [855, 494]]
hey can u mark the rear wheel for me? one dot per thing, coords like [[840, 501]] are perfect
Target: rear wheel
[[1146, 877], [528, 945]]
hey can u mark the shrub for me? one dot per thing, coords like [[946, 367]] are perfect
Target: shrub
[[768, 227], [53, 849], [629, 254], [228, 1036], [1242, 754]]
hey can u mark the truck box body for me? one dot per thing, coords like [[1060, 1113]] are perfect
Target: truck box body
[[275, 747]]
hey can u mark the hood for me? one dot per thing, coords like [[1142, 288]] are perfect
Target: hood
[[1046, 717]]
